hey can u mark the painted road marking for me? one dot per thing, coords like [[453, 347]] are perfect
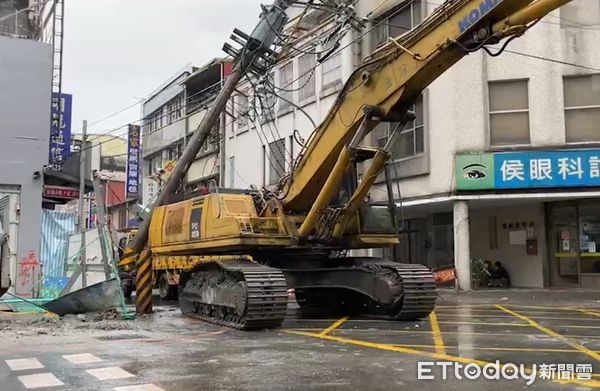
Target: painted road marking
[[84, 358], [464, 360], [568, 326], [109, 373], [437, 334], [141, 387], [496, 349], [469, 316], [553, 333], [588, 312], [334, 326], [486, 324], [22, 364], [392, 348], [550, 308], [40, 380]]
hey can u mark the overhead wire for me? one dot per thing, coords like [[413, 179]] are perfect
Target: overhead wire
[[339, 50]]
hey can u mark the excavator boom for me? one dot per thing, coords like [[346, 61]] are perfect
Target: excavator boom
[[244, 248], [394, 76]]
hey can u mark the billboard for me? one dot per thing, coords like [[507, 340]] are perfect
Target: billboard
[[133, 162], [528, 169], [60, 128]]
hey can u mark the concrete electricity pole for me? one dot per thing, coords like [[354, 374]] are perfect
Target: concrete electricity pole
[[82, 211], [255, 56], [255, 50]]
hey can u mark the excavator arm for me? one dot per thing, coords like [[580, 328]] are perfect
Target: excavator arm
[[386, 86]]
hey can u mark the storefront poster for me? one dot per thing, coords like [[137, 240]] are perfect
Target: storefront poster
[[529, 169]]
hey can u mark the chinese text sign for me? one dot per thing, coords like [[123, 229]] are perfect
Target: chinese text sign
[[530, 169], [60, 128], [133, 162], [547, 169]]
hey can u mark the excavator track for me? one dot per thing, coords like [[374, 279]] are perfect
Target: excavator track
[[235, 293], [404, 291], [418, 289]]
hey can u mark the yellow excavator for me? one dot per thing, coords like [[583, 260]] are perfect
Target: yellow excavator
[[247, 247]]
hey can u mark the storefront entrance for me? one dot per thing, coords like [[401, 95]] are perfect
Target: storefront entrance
[[574, 244]]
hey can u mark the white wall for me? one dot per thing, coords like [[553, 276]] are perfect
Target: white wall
[[526, 271], [457, 111], [246, 145]]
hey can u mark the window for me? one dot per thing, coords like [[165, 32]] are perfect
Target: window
[[276, 161], [306, 76], [175, 109], [332, 71], [509, 112], [241, 111], [174, 152], [286, 77], [232, 172], [396, 22], [582, 108], [157, 119], [411, 140], [122, 219], [154, 164], [148, 121], [267, 100]]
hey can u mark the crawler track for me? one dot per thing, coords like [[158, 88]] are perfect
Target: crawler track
[[404, 291], [418, 289], [234, 293]]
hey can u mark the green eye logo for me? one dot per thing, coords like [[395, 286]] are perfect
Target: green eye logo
[[474, 171]]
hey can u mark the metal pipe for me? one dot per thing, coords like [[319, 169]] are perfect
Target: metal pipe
[[82, 211]]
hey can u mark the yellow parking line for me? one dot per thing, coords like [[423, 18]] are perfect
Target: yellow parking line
[[485, 323], [552, 333], [580, 318], [334, 326], [462, 306], [437, 334], [494, 349], [445, 332], [550, 308], [518, 325], [391, 348], [588, 312], [398, 349]]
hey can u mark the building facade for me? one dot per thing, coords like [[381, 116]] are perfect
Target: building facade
[[24, 141], [171, 115], [535, 107]]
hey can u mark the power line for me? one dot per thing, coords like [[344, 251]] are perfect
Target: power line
[[339, 50]]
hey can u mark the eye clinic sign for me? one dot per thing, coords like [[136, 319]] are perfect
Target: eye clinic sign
[[528, 169]]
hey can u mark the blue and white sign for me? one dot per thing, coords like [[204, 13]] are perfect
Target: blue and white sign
[[133, 162], [60, 128], [569, 168]]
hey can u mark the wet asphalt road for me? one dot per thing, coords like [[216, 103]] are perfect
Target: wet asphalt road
[[170, 352]]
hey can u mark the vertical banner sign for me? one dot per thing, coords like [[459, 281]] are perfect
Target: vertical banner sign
[[133, 162], [60, 128]]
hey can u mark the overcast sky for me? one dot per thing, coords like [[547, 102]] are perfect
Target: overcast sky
[[115, 50]]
